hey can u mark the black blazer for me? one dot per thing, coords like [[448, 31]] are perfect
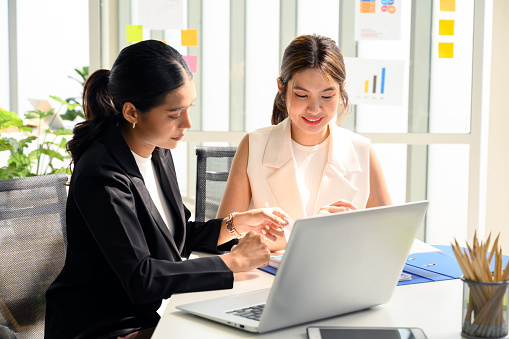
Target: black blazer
[[121, 258]]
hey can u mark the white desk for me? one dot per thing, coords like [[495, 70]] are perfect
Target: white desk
[[435, 307]]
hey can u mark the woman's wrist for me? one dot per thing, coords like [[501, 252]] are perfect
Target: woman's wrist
[[230, 225], [231, 261]]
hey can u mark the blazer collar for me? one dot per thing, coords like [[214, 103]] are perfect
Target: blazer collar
[[341, 163], [168, 178], [279, 149], [120, 151]]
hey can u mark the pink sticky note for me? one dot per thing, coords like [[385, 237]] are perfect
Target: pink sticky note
[[192, 62]]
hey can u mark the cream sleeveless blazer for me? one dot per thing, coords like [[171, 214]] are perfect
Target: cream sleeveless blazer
[[272, 170]]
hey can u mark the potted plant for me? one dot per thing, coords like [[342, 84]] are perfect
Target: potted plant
[[40, 150]]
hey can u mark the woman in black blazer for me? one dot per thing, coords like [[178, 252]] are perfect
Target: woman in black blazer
[[127, 228]]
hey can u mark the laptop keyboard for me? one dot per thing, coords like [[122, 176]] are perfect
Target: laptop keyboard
[[252, 312]]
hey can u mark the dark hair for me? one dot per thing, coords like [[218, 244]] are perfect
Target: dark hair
[[143, 74], [304, 52]]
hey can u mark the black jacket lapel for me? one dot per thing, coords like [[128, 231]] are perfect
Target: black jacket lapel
[[163, 162], [115, 142]]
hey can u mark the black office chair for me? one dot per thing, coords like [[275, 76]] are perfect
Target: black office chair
[[213, 167], [32, 249]]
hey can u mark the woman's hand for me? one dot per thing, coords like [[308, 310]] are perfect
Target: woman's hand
[[338, 206], [251, 252], [266, 221]]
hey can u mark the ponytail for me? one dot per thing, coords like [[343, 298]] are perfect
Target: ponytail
[[279, 111], [98, 107]]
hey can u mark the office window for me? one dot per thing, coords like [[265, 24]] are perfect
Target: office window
[[52, 39], [451, 81], [321, 17], [4, 55], [215, 65], [41, 43], [262, 65], [448, 172]]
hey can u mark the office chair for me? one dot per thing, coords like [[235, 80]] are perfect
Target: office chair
[[32, 249], [213, 166]]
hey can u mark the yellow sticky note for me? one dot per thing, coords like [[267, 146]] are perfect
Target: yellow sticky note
[[448, 5], [445, 50], [133, 33], [445, 27], [189, 37]]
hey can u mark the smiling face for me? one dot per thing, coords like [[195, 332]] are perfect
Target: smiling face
[[312, 102], [164, 125]]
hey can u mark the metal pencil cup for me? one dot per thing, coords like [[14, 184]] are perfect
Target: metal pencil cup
[[484, 312]]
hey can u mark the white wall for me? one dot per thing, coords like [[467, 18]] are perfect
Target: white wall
[[497, 185]]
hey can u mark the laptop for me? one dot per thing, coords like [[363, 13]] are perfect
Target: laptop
[[333, 264]]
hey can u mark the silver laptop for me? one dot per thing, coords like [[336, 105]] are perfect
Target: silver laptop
[[333, 264]]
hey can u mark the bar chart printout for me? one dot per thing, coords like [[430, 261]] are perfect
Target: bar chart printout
[[378, 82], [367, 86]]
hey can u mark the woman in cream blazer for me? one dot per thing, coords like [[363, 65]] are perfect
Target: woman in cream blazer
[[266, 171]]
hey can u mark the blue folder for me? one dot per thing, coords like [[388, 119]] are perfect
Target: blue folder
[[426, 267], [436, 266], [431, 266]]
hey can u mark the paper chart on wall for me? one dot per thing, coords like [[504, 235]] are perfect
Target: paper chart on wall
[[374, 82], [377, 20], [161, 14]]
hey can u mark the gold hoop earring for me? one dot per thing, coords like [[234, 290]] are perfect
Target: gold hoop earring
[[134, 124]]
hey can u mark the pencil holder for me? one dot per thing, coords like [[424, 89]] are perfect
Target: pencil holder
[[484, 312]]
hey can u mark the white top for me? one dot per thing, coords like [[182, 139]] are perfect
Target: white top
[[310, 161], [274, 175], [154, 188]]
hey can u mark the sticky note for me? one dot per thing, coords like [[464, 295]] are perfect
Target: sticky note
[[445, 27], [133, 33], [192, 62], [189, 37], [448, 5], [445, 49]]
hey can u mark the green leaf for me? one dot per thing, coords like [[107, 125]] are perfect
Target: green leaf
[[5, 146], [19, 160], [48, 144], [49, 152], [39, 114], [14, 143], [63, 144], [70, 106], [26, 141], [61, 170], [72, 115], [8, 119], [9, 172], [62, 131], [83, 73]]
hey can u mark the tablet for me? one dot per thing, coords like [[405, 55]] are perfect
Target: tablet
[[341, 332]]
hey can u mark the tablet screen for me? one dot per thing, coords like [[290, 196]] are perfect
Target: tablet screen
[[359, 333]]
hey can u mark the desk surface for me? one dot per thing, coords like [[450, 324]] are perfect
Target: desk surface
[[435, 307]]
